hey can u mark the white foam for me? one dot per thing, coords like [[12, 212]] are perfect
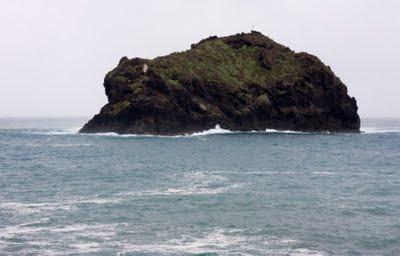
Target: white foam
[[372, 130], [65, 205], [113, 134], [218, 241], [99, 237], [58, 145], [272, 172], [68, 145], [204, 178], [213, 131], [244, 172], [216, 130], [96, 201], [30, 208], [66, 131], [87, 247], [324, 173], [117, 135], [189, 183], [56, 133], [26, 228], [192, 183], [222, 242], [219, 130], [306, 252], [46, 236], [284, 131], [33, 145], [180, 191]]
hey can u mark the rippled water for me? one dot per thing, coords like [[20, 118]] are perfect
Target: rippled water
[[215, 193]]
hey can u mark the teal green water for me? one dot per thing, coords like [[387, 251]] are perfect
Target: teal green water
[[216, 193]]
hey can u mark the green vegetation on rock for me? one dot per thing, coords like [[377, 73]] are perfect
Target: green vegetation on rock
[[242, 82]]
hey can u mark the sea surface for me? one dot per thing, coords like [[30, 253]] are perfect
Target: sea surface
[[211, 193]]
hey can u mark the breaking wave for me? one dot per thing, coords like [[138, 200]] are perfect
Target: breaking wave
[[217, 130], [188, 184], [96, 238], [220, 241], [372, 130]]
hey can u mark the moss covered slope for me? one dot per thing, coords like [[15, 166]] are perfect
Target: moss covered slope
[[242, 82]]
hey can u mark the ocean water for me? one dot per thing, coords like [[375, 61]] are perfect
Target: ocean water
[[212, 193]]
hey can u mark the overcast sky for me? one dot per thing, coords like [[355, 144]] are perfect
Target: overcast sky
[[55, 54]]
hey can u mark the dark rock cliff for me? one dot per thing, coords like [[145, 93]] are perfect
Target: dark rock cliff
[[241, 82]]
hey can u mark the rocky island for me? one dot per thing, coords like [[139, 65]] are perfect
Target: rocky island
[[241, 82]]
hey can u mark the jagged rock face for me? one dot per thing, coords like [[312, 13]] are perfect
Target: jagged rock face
[[241, 82]]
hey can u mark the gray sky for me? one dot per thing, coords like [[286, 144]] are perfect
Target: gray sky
[[55, 54]]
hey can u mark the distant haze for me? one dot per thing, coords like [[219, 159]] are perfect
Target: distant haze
[[55, 54]]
